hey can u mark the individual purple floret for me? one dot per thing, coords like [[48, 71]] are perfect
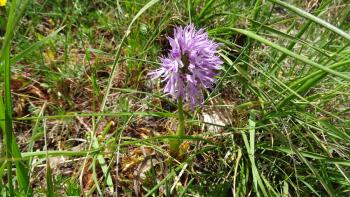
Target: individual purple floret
[[191, 65]]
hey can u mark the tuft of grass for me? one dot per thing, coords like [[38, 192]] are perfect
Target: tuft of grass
[[11, 147], [79, 116]]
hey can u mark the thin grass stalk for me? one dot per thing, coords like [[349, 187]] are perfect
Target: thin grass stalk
[[313, 18], [250, 42], [5, 57], [291, 45], [12, 150], [8, 119]]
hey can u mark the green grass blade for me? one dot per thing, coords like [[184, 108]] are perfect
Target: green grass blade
[[304, 84], [290, 53], [8, 134], [34, 47], [49, 181], [315, 171], [117, 56], [310, 155], [205, 9], [299, 35], [251, 123], [11, 145], [292, 39], [313, 18], [12, 150], [315, 74], [22, 173], [250, 146], [162, 182]]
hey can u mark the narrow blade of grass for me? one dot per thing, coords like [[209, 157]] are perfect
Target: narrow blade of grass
[[12, 150], [49, 181], [250, 146], [117, 56], [34, 46], [299, 35], [313, 18], [290, 53], [310, 81]]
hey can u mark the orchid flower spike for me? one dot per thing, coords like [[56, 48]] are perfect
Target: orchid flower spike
[[191, 65]]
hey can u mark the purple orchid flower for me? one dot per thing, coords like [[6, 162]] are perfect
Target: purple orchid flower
[[191, 65]]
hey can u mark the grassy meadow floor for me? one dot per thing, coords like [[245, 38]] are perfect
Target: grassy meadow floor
[[79, 115]]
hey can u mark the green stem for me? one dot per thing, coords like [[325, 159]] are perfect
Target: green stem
[[180, 132], [181, 128], [8, 120]]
